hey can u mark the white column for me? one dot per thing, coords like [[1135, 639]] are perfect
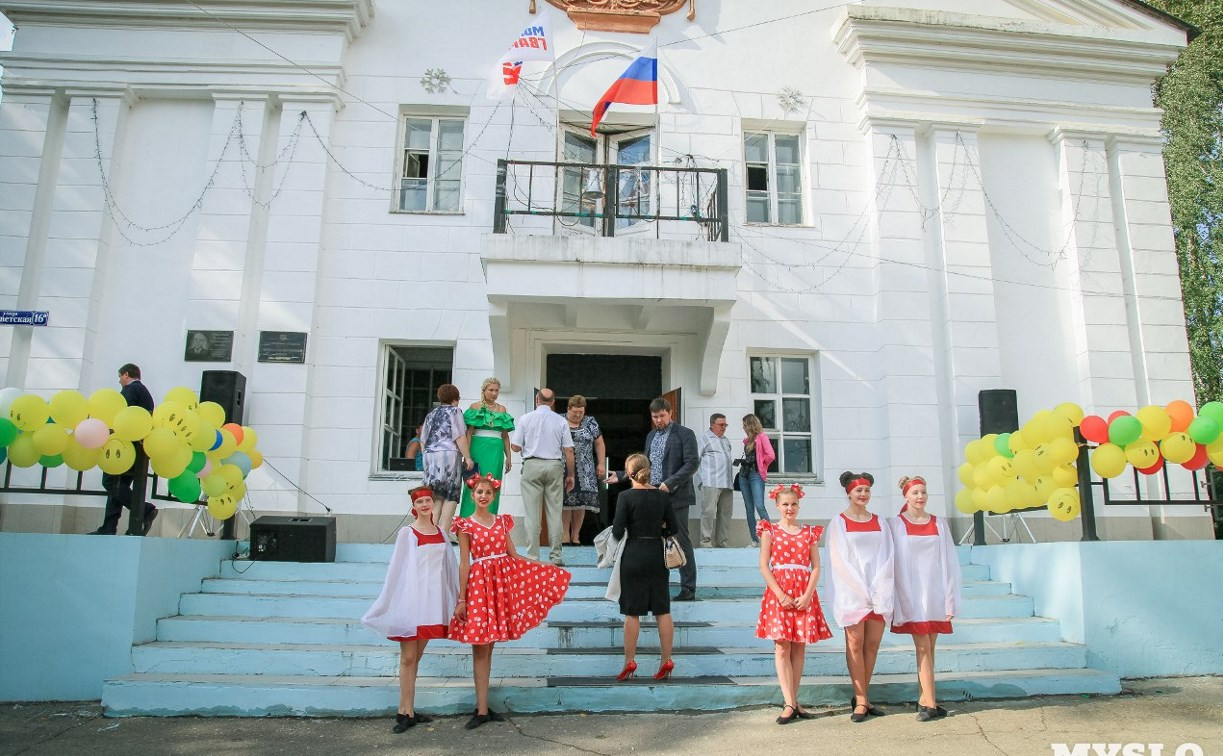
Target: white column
[[903, 312], [279, 395], [31, 137]]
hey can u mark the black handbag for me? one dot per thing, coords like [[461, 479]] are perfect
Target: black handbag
[[738, 463]]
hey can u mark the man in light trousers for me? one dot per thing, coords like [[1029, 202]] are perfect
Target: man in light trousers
[[716, 475], [543, 438]]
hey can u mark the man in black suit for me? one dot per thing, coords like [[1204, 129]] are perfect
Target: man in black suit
[[674, 460], [125, 488]]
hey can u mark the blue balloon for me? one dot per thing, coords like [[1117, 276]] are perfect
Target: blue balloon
[[241, 460], [218, 443]]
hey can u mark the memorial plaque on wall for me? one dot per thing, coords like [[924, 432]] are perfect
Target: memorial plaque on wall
[[209, 346], [282, 346]]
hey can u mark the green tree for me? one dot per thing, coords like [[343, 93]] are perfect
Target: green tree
[[1191, 95]]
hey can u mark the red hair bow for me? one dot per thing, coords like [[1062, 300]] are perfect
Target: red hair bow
[[794, 487], [475, 480]]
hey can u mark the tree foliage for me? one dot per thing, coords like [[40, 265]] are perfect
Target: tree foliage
[[1191, 96]]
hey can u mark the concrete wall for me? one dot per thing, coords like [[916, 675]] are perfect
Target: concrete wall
[[72, 606], [1142, 609]]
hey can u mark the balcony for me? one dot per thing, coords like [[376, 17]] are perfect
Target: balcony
[[611, 200]]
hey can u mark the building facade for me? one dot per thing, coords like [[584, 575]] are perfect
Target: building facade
[[848, 220]]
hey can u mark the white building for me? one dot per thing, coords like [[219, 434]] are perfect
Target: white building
[[926, 198]]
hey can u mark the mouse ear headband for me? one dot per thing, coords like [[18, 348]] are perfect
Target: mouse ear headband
[[475, 480], [797, 489]]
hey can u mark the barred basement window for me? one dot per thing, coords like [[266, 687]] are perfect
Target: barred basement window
[[410, 378], [784, 398], [774, 178], [432, 166]]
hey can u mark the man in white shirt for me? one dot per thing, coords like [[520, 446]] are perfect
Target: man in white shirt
[[716, 476], [546, 444]]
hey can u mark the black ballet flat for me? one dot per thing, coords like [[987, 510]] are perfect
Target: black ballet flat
[[925, 713], [403, 722], [856, 717], [783, 720]]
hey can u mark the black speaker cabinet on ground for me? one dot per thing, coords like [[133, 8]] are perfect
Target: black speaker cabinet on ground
[[999, 411], [293, 539], [228, 389]]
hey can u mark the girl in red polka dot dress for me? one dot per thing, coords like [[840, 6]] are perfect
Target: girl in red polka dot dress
[[501, 595], [790, 613]]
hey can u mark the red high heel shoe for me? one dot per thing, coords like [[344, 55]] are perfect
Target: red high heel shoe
[[630, 670], [664, 671]]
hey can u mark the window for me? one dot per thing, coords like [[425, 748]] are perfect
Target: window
[[774, 178], [783, 399], [583, 188], [411, 377], [431, 176]]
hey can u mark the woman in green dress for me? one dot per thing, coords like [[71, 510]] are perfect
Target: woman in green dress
[[488, 429]]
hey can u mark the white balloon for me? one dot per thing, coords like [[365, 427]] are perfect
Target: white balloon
[[6, 399]]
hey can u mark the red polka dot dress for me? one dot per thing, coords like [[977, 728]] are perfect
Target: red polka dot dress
[[790, 562], [506, 597]]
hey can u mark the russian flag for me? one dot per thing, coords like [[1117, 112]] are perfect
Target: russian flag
[[638, 85]]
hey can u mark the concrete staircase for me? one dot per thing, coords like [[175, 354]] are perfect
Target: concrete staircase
[[278, 638]]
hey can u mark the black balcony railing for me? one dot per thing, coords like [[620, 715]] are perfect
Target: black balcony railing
[[607, 199]]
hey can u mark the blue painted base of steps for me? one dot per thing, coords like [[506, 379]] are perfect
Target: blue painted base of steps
[[225, 695], [278, 638]]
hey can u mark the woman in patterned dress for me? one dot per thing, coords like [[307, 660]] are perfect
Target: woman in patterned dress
[[590, 458], [790, 613], [927, 585], [501, 595], [446, 452], [488, 432]]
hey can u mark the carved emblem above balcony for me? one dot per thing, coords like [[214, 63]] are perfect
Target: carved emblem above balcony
[[633, 16]]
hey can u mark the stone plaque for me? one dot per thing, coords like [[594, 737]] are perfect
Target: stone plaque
[[282, 346], [209, 346]]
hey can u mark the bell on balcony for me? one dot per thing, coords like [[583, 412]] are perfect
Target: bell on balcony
[[594, 188]]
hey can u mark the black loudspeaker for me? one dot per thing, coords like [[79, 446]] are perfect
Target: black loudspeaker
[[999, 411], [293, 539], [228, 389]]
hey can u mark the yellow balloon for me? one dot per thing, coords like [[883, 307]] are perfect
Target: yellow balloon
[[232, 474], [1001, 469], [170, 467], [133, 423], [211, 413], [222, 507], [982, 476], [202, 437], [1017, 442], [1064, 450], [1156, 423], [1025, 464], [1065, 476], [1036, 430], [1016, 494], [167, 413], [213, 484], [1142, 454], [963, 501], [1045, 486], [29, 412], [69, 408], [1044, 458], [79, 458], [228, 444], [105, 403], [1108, 460], [1071, 411], [963, 472], [161, 444], [1064, 504], [249, 439], [1178, 448], [995, 500], [256, 458], [183, 396], [1215, 457], [978, 498], [23, 452], [117, 456], [237, 491], [1058, 426], [50, 439]]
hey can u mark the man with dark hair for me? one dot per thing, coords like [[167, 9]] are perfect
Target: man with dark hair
[[674, 459], [546, 444], [716, 476], [125, 489]]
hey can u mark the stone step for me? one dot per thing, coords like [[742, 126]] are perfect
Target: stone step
[[554, 634], [369, 589], [349, 696], [444, 659], [586, 573], [261, 605]]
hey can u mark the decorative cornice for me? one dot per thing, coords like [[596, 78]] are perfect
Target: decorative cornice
[[955, 41], [633, 16], [349, 17]]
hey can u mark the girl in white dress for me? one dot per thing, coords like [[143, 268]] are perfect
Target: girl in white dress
[[860, 553], [417, 599], [927, 585]]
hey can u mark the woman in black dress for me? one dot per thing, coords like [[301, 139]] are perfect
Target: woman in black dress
[[641, 513]]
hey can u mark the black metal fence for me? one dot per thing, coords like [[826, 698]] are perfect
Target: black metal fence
[[606, 199]]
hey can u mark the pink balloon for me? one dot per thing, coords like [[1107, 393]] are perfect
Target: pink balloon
[[205, 470], [91, 433]]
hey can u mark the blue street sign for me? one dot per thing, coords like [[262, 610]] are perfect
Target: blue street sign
[[25, 317]]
